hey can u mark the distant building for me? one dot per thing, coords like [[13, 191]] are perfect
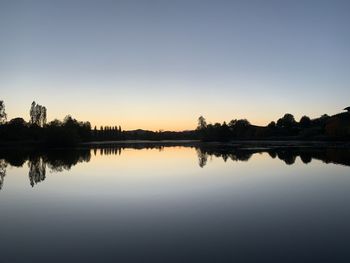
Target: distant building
[[347, 109]]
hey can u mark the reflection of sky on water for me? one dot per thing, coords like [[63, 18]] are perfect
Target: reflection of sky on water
[[163, 205]]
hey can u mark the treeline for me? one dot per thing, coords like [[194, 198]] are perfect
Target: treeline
[[71, 131], [160, 135], [55, 133], [336, 127], [107, 133]]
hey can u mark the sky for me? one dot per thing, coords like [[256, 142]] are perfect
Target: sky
[[160, 64]]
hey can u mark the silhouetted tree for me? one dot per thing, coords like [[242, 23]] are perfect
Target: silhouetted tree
[[43, 116], [202, 124], [3, 115], [272, 125], [287, 121], [305, 122], [16, 129], [32, 113], [242, 129], [19, 122], [55, 123], [67, 133], [242, 123], [224, 134], [232, 123], [321, 121], [38, 114]]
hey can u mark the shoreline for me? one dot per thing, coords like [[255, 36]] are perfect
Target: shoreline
[[185, 143], [234, 144]]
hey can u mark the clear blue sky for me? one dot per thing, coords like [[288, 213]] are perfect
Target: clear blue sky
[[160, 64]]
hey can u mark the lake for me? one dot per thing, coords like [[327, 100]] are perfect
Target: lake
[[175, 204]]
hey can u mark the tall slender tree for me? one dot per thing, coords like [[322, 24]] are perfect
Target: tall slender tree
[[32, 112], [202, 124], [38, 114], [3, 115]]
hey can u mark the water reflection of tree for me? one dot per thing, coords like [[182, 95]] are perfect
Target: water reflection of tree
[[117, 150], [37, 170], [39, 161], [286, 154], [202, 158], [3, 166], [108, 151], [61, 160], [225, 153], [58, 161]]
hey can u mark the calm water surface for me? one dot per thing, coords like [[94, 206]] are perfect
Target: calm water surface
[[175, 204]]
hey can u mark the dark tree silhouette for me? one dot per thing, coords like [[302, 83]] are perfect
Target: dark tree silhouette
[[202, 124], [242, 123], [305, 122], [232, 123], [287, 121], [38, 114], [3, 115], [272, 125], [19, 122]]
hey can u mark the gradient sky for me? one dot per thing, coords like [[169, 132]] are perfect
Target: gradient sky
[[160, 64]]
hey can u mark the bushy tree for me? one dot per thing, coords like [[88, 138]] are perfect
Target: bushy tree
[[242, 123], [287, 121], [272, 125], [67, 133], [232, 123], [305, 122]]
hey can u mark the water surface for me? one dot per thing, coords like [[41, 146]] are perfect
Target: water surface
[[175, 204]]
